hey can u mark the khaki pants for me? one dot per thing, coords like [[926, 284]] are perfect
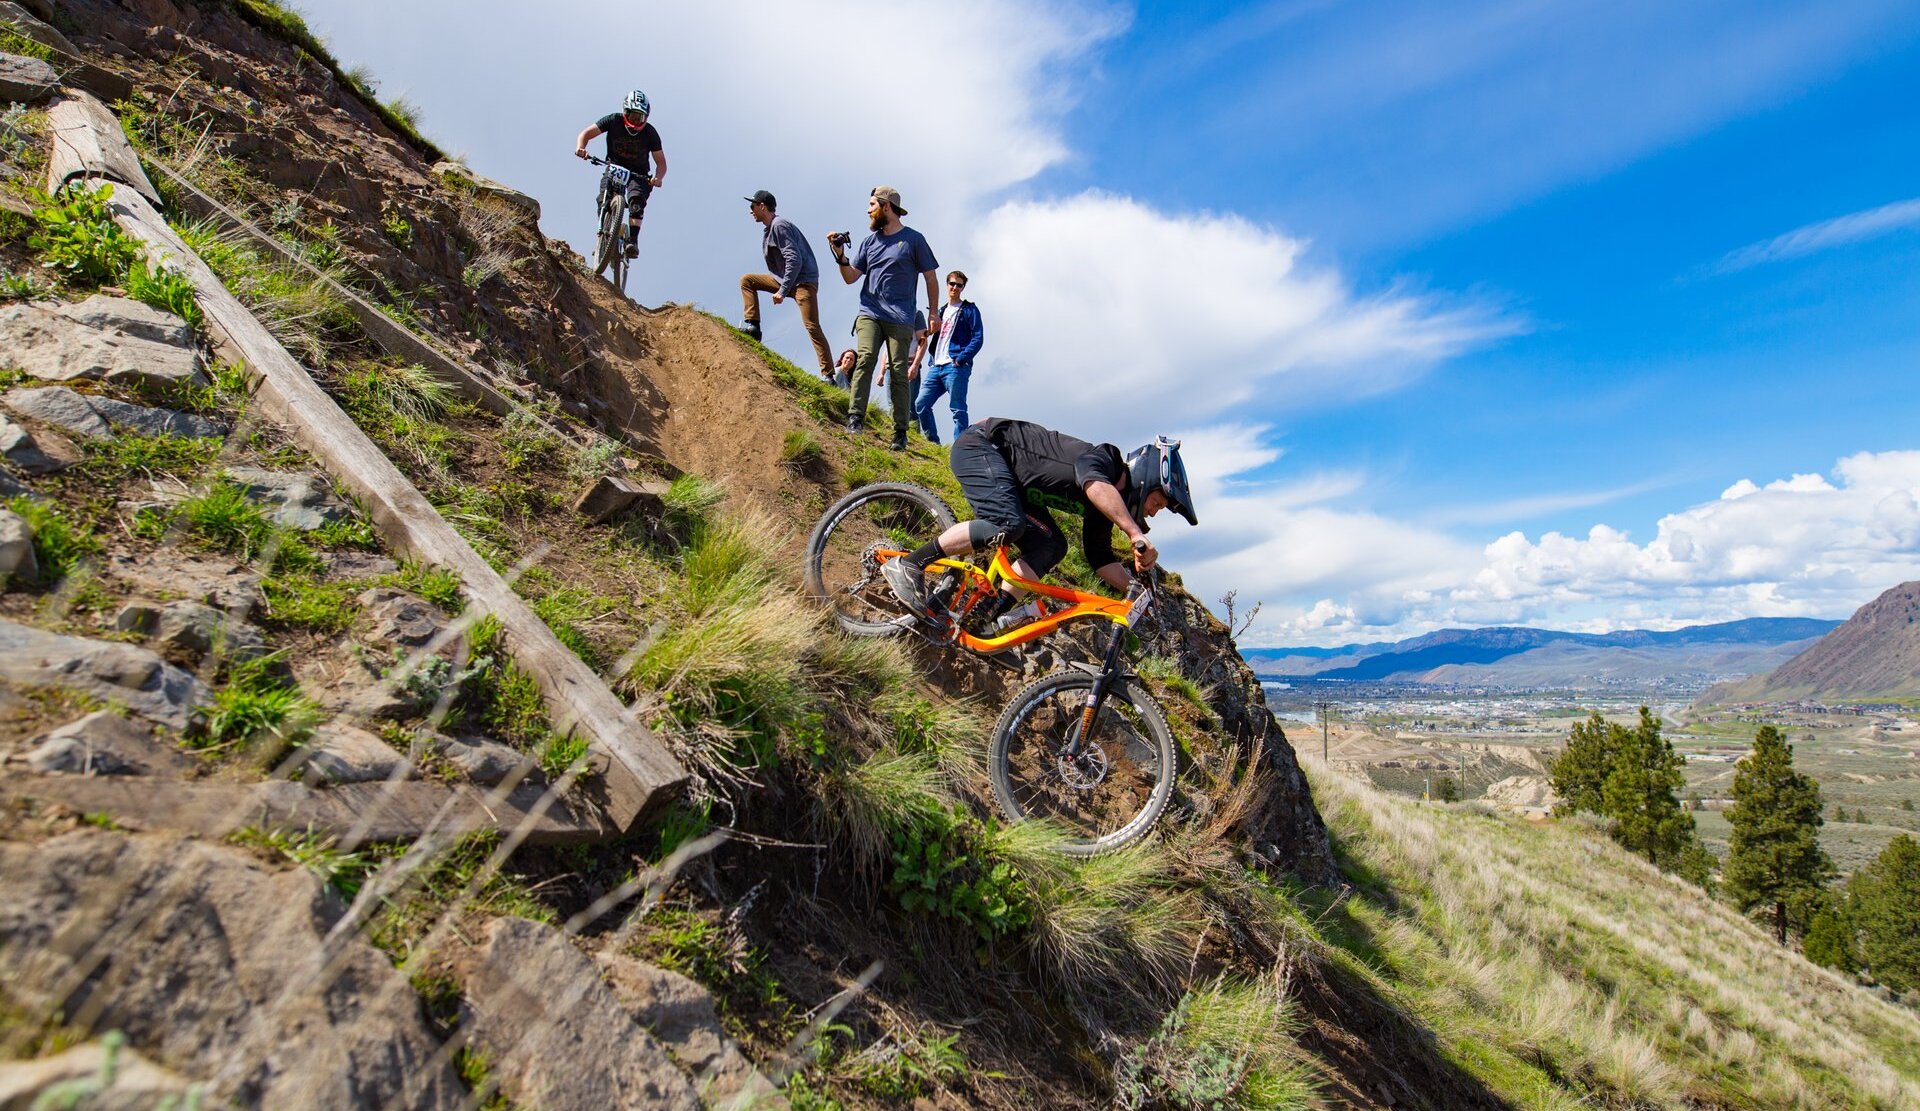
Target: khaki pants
[[868, 335], [806, 295]]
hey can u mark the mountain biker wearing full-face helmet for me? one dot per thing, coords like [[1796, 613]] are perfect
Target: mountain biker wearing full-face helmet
[[1014, 473], [630, 140]]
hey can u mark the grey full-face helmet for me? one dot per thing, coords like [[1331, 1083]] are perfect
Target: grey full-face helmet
[[1157, 466]]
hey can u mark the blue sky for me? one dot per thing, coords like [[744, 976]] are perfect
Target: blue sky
[[1565, 313]]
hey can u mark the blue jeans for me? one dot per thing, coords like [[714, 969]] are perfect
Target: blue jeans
[[937, 380]]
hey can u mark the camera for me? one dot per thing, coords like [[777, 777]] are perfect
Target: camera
[[839, 238]]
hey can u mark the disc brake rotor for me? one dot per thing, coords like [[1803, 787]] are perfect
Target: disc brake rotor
[[869, 565], [1083, 772]]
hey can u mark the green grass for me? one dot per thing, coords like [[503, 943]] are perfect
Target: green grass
[[503, 697], [13, 42], [457, 881], [60, 543], [800, 448], [438, 585], [257, 706], [112, 459], [342, 871], [303, 601], [166, 290], [77, 237]]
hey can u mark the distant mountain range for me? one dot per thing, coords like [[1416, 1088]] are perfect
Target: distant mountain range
[[1519, 657], [1875, 654]]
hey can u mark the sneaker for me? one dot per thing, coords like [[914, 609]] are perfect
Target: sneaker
[[633, 248], [909, 584], [751, 327], [1016, 618], [855, 424], [899, 441]]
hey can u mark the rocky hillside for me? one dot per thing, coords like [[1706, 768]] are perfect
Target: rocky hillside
[[1875, 654]]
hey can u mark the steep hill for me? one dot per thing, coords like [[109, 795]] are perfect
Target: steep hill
[[1526, 657], [1875, 654]]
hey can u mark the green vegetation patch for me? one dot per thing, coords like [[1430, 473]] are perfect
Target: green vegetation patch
[[60, 543]]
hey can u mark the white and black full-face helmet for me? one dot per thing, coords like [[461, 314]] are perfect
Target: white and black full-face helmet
[[1157, 466], [636, 105]]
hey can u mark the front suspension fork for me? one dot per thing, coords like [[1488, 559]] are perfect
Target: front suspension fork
[[1083, 730]]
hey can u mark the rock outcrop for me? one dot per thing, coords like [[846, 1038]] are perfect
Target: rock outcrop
[[120, 673], [101, 339], [218, 967]]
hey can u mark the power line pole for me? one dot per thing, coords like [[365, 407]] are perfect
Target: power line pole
[[1326, 714]]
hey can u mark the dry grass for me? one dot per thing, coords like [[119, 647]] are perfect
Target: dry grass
[[1583, 964]]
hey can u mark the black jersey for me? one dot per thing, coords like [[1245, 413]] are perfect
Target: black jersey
[[1053, 470], [629, 148]]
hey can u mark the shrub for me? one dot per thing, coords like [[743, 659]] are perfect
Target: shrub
[[1227, 1045], [941, 866], [77, 235]]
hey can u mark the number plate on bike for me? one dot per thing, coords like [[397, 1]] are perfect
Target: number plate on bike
[[1139, 608], [618, 175]]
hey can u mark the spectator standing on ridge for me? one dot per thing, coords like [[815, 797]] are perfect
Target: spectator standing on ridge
[[885, 265], [843, 370], [630, 141], [794, 274], [958, 336], [920, 334]]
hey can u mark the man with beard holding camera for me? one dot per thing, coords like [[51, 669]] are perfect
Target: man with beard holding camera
[[886, 263]]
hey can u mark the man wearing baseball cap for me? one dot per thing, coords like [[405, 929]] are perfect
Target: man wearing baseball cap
[[793, 273], [886, 265]]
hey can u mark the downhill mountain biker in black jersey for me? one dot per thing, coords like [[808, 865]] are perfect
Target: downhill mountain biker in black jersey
[[631, 140], [1015, 473]]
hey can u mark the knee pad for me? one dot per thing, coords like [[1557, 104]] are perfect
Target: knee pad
[[982, 534]]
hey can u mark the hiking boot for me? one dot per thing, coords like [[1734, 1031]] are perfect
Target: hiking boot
[[899, 442], [908, 583], [751, 327]]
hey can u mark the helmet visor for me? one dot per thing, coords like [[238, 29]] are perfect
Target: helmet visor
[[1174, 483]]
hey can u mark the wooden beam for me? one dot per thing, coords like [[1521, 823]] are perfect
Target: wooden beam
[[380, 811], [89, 145], [640, 774]]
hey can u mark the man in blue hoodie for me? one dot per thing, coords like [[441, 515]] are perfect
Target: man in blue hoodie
[[957, 339], [793, 273]]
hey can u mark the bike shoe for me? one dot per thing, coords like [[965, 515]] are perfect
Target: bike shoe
[[909, 584], [633, 248], [751, 327]]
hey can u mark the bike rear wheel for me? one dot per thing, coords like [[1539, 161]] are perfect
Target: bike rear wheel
[[843, 553], [620, 233], [1118, 786], [608, 242]]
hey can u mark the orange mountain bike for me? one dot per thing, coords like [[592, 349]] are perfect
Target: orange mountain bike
[[1086, 747]]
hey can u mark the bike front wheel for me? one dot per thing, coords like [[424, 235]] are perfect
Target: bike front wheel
[[852, 540], [608, 245], [1110, 792]]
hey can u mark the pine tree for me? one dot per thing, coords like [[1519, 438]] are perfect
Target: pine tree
[[1829, 941], [1580, 771], [1886, 901], [1773, 853], [1639, 792]]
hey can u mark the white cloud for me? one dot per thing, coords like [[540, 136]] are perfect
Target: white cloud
[[1174, 319], [1804, 545], [1840, 231]]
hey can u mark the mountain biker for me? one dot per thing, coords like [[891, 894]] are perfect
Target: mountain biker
[[1015, 472], [630, 139]]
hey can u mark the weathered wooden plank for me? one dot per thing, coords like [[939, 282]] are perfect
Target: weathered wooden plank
[[379, 811], [640, 773], [88, 143]]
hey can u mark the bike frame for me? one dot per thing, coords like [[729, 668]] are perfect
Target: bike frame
[[980, 585]]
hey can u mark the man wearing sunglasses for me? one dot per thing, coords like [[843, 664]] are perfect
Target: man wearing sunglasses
[[956, 340], [631, 140]]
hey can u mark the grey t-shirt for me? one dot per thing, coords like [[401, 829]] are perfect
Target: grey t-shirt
[[892, 265]]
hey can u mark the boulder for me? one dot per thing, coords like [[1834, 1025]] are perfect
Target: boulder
[[26, 23], [95, 417], [101, 339], [60, 407], [28, 455], [27, 80], [198, 628], [118, 673], [480, 760], [401, 620], [17, 560], [105, 743], [342, 753], [612, 495], [553, 1033], [224, 968], [681, 1014], [136, 617], [224, 583], [350, 564], [99, 1076], [527, 207], [301, 501]]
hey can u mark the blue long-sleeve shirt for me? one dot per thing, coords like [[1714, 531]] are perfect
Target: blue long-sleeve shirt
[[789, 256]]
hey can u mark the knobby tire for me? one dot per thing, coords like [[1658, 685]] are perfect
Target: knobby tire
[[1131, 731], [898, 513]]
